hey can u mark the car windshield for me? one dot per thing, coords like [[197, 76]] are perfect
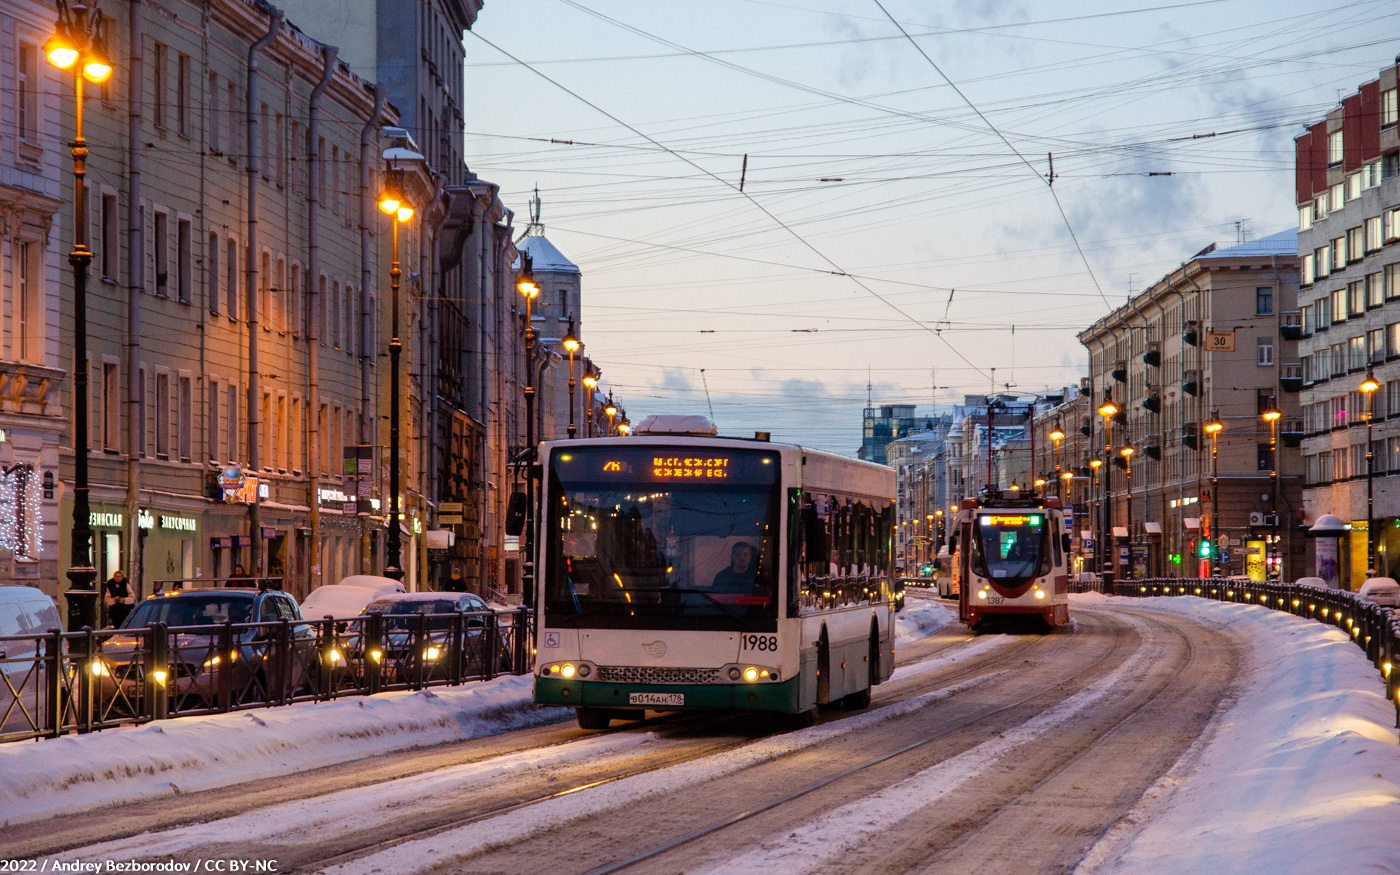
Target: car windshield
[[399, 614], [195, 609], [663, 538], [1011, 547]]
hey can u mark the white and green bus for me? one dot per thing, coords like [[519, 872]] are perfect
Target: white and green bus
[[684, 571]]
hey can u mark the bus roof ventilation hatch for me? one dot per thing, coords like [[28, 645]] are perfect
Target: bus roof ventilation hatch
[[677, 424]]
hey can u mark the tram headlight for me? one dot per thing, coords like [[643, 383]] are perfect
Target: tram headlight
[[567, 671], [750, 674], [1040, 593]]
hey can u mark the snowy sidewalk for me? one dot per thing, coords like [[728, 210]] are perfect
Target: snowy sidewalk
[[1300, 773], [79, 772]]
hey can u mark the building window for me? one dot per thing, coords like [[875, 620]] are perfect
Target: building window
[[1339, 359], [323, 434], [1339, 195], [333, 316], [111, 248], [1334, 147], [27, 340], [294, 299], [182, 95], [111, 407], [231, 287], [1264, 301], [1390, 278], [161, 242], [1373, 233], [265, 439], [162, 415], [280, 149], [184, 254], [211, 273], [213, 426], [1322, 205], [231, 447], [1353, 187], [1375, 291], [158, 74], [213, 108], [347, 331], [1339, 306], [27, 88], [1356, 243], [1305, 217], [1266, 351], [1375, 345], [1338, 254], [263, 124], [141, 411], [1308, 319], [1356, 353], [185, 416], [230, 139], [1323, 258], [280, 447], [1266, 458], [1390, 109], [1392, 397], [1390, 225], [1309, 269], [1356, 298]]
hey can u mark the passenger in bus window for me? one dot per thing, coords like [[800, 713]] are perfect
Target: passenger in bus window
[[739, 575]]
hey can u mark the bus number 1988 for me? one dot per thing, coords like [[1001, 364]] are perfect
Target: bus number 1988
[[767, 643]]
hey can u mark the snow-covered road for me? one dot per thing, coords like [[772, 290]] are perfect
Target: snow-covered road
[[1298, 769]]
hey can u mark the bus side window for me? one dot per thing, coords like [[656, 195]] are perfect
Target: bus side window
[[1055, 537]]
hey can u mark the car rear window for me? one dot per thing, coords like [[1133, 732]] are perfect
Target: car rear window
[[191, 610]]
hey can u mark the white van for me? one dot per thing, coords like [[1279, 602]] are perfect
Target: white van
[[25, 614]]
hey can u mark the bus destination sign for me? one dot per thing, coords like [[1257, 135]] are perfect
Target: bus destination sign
[[689, 468]]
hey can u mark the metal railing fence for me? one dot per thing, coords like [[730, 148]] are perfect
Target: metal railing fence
[[63, 682], [1373, 628]]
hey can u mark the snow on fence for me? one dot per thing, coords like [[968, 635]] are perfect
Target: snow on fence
[[62, 682], [1373, 628]]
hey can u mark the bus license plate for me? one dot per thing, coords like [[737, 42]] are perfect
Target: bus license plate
[[656, 698]]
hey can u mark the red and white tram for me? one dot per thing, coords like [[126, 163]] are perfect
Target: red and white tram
[[1013, 557]]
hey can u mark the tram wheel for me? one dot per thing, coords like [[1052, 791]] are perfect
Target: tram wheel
[[593, 718], [802, 719]]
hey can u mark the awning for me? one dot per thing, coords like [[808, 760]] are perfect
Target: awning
[[1120, 532], [1152, 528], [1191, 522]]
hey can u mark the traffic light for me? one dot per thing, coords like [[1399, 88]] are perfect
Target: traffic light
[[1176, 558], [1204, 550], [928, 569]]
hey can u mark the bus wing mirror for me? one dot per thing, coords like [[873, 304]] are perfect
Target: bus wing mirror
[[515, 514], [814, 537], [953, 543], [1065, 541]]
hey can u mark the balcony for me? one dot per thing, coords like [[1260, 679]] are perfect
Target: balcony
[[1291, 432], [1152, 403], [1291, 328], [1290, 377], [30, 390]]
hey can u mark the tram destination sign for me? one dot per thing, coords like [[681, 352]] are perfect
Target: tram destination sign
[[667, 464]]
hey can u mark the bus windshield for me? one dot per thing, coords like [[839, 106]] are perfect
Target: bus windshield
[[1012, 547], [649, 537]]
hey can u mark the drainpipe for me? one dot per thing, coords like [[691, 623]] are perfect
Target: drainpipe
[[431, 487], [274, 25], [1200, 420], [135, 282], [310, 286], [369, 341]]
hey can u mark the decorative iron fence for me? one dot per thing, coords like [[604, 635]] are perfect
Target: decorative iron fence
[[82, 681], [1373, 628]]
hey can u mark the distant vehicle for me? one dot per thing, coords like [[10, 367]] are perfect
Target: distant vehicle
[[947, 577], [401, 655], [25, 614], [680, 570], [1380, 591], [1316, 581], [260, 670], [347, 598], [1013, 556]]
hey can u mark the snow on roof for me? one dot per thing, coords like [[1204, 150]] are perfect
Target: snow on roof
[[544, 257], [1282, 243]]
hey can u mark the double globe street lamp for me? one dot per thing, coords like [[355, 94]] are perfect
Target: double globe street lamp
[[79, 44], [1369, 386], [394, 203]]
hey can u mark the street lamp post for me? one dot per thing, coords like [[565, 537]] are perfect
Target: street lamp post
[[572, 345], [393, 203], [1127, 453], [1057, 434], [611, 411], [1214, 427], [1107, 409], [1094, 488], [78, 44], [1272, 416], [590, 383], [1369, 386], [529, 290], [624, 427]]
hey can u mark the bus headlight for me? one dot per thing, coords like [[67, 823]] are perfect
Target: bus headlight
[[567, 671], [981, 594], [750, 674], [1040, 593]]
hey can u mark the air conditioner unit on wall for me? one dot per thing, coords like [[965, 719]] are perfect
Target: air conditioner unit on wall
[[1256, 518]]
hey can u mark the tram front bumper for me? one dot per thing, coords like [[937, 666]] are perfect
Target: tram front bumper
[[758, 696]]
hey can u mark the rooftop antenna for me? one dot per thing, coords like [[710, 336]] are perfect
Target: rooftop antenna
[[869, 389], [535, 227], [706, 384]]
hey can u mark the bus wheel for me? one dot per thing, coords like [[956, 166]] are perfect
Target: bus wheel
[[859, 701], [593, 718], [802, 719], [823, 670]]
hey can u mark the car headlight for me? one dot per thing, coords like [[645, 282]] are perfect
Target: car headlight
[[431, 652], [99, 669]]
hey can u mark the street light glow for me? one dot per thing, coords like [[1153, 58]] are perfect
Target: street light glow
[[404, 213], [96, 66], [527, 287], [1108, 408], [1214, 426], [1272, 415], [1370, 384], [590, 381], [61, 51], [1126, 451]]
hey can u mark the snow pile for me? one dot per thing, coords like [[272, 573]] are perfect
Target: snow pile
[[921, 618], [78, 772], [1300, 774]]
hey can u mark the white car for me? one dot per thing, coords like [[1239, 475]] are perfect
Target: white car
[[347, 598], [1382, 591]]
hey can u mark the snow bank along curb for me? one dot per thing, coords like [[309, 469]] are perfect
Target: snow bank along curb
[[168, 757], [79, 772], [1301, 773]]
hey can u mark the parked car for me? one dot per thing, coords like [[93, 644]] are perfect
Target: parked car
[[259, 669], [25, 614], [1381, 591], [401, 624], [1315, 581], [347, 598]]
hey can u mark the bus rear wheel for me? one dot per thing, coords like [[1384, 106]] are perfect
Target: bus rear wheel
[[593, 718]]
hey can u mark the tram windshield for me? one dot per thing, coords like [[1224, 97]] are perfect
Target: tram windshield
[[650, 537], [1012, 546]]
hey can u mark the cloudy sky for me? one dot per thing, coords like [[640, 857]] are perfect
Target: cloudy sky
[[895, 223]]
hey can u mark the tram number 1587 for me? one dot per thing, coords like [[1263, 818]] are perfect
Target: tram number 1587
[[766, 643]]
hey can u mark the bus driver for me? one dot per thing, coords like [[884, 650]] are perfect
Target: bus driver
[[739, 575]]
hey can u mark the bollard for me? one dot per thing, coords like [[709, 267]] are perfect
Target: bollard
[[53, 683], [455, 651], [374, 652], [325, 646], [224, 653], [518, 661], [285, 663]]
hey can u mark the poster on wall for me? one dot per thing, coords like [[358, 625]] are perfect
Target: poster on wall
[[1325, 551]]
